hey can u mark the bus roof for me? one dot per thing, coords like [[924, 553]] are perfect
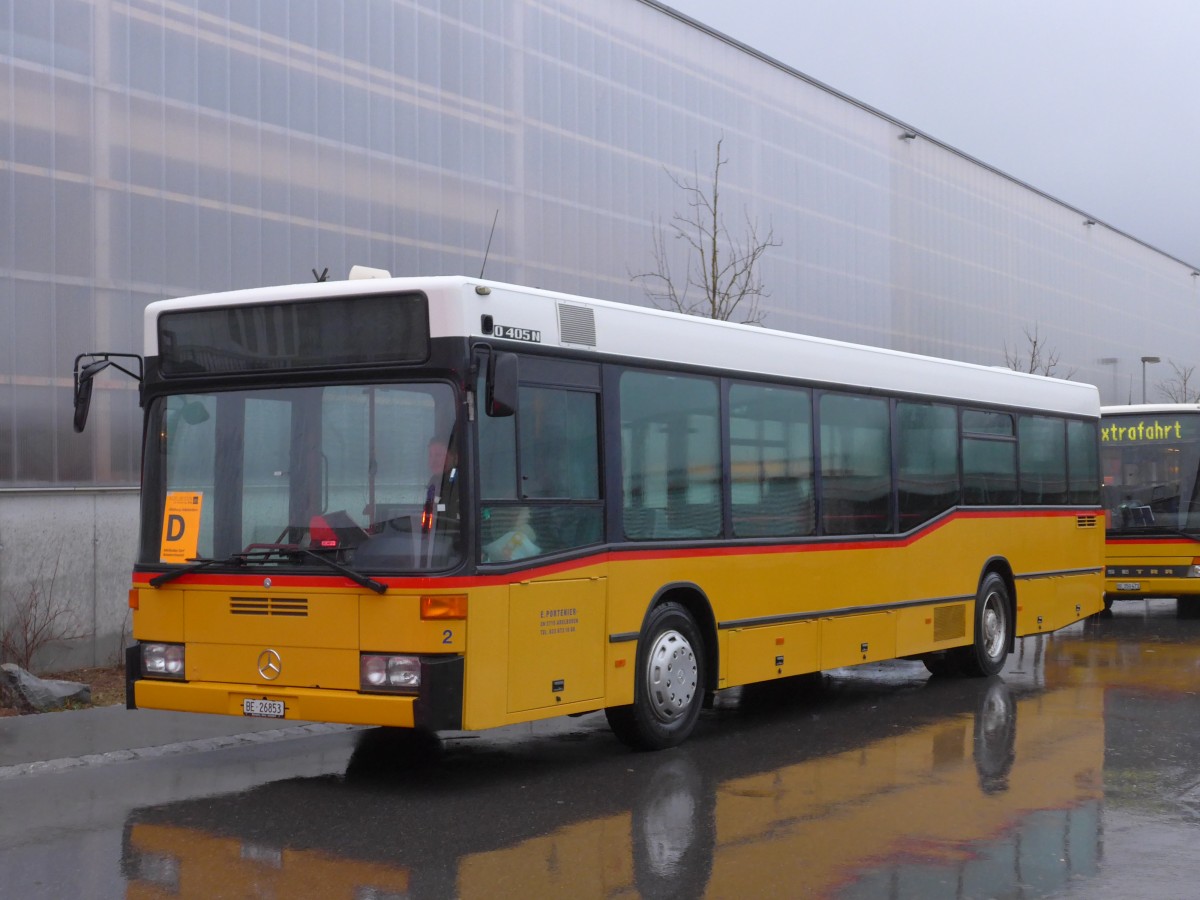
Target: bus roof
[[1150, 409], [460, 306]]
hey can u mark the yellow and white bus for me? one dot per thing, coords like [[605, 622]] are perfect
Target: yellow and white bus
[[1150, 463], [445, 503]]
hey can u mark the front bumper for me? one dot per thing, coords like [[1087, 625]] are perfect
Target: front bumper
[[438, 706], [300, 704]]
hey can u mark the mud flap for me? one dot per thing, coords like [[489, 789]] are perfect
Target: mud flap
[[133, 672]]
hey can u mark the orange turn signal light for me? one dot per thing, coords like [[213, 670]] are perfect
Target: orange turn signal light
[[134, 598], [444, 606]]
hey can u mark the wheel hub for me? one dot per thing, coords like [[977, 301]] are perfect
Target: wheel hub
[[994, 631], [671, 675]]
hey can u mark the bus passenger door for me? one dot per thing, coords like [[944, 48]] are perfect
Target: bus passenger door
[[555, 643]]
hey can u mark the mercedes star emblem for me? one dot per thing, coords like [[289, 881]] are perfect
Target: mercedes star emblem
[[269, 665]]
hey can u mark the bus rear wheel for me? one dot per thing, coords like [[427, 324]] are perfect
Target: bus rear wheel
[[993, 626], [668, 688], [943, 665]]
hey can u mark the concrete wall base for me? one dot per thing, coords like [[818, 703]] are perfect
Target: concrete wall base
[[75, 549]]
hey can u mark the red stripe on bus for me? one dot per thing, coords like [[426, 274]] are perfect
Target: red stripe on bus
[[1150, 542], [426, 582]]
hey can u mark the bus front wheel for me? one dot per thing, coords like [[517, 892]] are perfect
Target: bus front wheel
[[668, 688]]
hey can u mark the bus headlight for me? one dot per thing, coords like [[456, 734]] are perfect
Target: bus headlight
[[158, 869], [1194, 571], [162, 660], [383, 672]]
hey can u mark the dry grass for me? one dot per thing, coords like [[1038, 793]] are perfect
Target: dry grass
[[107, 684]]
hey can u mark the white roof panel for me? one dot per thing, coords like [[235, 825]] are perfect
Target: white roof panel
[[458, 305]]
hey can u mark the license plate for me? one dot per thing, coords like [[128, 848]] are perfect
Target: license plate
[[1129, 585], [266, 709]]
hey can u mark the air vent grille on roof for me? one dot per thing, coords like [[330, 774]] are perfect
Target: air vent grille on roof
[[577, 324]]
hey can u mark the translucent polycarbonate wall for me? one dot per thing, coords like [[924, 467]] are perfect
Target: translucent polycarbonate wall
[[152, 149]]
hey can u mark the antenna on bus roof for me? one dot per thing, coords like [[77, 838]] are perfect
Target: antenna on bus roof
[[488, 249], [324, 276]]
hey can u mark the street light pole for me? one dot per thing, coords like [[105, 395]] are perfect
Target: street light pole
[[1147, 359], [1111, 361]]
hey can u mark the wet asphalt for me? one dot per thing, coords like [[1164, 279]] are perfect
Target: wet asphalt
[[1075, 774]]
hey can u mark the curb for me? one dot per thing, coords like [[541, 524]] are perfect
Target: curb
[[201, 744]]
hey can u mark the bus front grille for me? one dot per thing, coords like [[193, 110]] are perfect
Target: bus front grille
[[268, 606]]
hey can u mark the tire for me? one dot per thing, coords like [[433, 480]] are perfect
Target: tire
[[995, 738], [993, 630], [668, 688], [673, 831], [394, 755], [943, 664], [1187, 609]]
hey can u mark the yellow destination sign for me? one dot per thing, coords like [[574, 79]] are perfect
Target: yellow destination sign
[[1134, 432], [181, 526]]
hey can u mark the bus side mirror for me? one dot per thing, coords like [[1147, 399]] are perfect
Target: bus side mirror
[[501, 385], [85, 374], [83, 390]]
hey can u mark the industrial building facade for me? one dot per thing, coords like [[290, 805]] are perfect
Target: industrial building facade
[[159, 148]]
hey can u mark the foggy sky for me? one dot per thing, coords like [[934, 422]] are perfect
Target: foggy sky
[[1093, 103]]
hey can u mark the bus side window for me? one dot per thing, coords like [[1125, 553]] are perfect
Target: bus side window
[[856, 484], [1042, 460], [989, 458], [989, 472], [926, 461], [670, 456], [497, 456], [540, 476], [559, 444], [1083, 464], [771, 461]]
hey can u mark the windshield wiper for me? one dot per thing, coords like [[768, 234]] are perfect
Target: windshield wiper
[[262, 555], [359, 579], [200, 563], [266, 552]]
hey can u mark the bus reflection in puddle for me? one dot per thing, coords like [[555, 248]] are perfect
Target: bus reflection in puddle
[[1144, 662], [1002, 800]]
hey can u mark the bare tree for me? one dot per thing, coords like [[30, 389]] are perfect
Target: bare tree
[[37, 619], [1176, 389], [1038, 359], [721, 278]]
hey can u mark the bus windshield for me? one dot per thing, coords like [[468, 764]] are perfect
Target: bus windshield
[[365, 476], [1150, 465]]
